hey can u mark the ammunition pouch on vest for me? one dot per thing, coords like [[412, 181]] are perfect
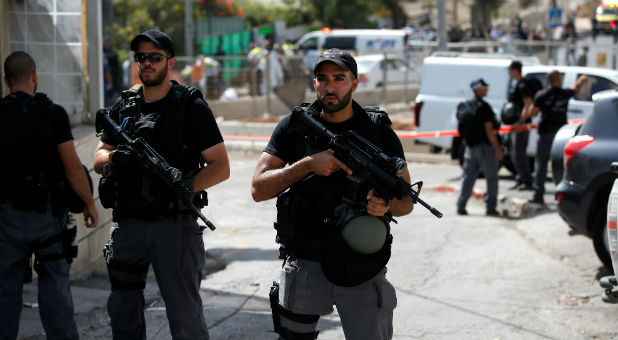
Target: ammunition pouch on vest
[[300, 226]]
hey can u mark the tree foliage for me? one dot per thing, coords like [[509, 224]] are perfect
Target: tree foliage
[[132, 17], [486, 8]]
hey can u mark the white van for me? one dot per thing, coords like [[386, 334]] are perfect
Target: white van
[[446, 77], [363, 41]]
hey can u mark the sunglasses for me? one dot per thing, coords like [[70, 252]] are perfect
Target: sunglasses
[[152, 57]]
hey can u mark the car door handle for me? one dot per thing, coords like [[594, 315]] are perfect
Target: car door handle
[[576, 111]]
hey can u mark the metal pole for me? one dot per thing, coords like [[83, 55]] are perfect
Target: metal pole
[[268, 87], [441, 25], [189, 30], [384, 80]]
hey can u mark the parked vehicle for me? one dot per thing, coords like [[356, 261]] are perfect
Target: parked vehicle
[[561, 138], [440, 91], [372, 68], [605, 19], [583, 192], [609, 282], [359, 40]]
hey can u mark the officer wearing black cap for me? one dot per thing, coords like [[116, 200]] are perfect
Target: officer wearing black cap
[[38, 161], [309, 283], [149, 226], [477, 125]]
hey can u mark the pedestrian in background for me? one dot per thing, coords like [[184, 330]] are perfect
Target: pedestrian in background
[[582, 60], [39, 158], [148, 225], [521, 96], [552, 102], [478, 125]]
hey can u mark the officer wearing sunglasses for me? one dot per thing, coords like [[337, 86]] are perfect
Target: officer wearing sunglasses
[[149, 226], [153, 57]]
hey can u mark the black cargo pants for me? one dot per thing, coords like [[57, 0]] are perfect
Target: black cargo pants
[[175, 248]]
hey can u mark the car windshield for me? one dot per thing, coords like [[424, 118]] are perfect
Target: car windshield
[[607, 10]]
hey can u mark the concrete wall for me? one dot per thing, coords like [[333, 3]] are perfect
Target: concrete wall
[[91, 241]]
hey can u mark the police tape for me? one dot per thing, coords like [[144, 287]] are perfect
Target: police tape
[[414, 134]]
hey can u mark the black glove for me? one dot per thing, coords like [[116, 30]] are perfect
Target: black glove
[[125, 161]]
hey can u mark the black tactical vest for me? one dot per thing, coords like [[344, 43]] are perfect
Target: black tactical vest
[[32, 170], [165, 131]]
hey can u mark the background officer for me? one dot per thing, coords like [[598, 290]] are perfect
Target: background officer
[[482, 152], [148, 225], [316, 181], [521, 96], [552, 102], [39, 159]]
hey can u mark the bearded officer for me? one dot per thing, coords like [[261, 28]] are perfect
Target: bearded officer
[[148, 225], [320, 269]]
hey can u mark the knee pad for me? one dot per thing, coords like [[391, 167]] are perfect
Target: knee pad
[[278, 311], [119, 284]]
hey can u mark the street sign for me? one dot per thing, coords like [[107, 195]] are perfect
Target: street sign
[[555, 17]]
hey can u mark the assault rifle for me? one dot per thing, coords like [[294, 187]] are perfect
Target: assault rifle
[[365, 160], [152, 161]]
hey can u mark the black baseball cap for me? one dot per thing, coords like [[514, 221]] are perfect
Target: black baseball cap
[[158, 38], [342, 58], [478, 83]]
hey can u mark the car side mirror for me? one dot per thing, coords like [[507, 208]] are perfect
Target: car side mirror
[[614, 167]]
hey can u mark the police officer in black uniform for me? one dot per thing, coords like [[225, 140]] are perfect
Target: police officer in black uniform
[[310, 281], [148, 225], [552, 102], [483, 152], [521, 96], [40, 164]]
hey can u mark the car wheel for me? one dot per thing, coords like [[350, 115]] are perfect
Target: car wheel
[[599, 238]]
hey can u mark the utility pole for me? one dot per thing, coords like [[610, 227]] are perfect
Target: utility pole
[[455, 11], [441, 25], [189, 30]]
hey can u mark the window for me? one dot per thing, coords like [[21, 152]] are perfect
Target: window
[[343, 43], [542, 77], [593, 85], [50, 32], [310, 44]]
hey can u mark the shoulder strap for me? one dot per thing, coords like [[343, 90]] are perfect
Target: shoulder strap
[[377, 116]]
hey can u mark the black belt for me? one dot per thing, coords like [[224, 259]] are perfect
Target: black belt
[[178, 216]]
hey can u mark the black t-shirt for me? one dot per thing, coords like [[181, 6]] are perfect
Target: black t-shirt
[[61, 127], [202, 130], [484, 114], [283, 143], [521, 90], [553, 103]]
